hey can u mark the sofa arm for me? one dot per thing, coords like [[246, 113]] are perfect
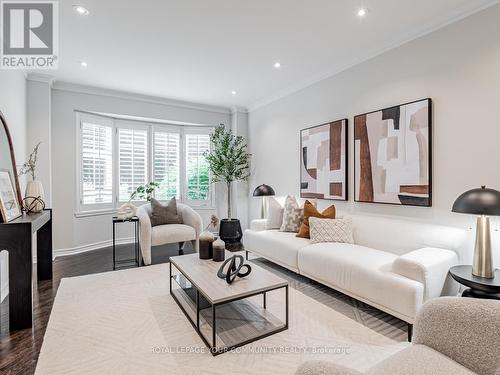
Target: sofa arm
[[324, 368], [258, 224], [430, 267], [191, 217], [466, 330], [144, 233]]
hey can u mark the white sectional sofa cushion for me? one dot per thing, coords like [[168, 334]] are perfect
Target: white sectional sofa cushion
[[394, 265], [362, 273], [280, 247]]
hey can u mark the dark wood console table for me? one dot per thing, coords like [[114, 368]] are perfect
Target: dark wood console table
[[16, 238]]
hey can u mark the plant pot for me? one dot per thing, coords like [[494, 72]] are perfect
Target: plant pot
[[230, 230], [34, 189]]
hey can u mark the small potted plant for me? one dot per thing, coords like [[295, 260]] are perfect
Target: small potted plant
[[34, 188], [228, 161], [127, 210]]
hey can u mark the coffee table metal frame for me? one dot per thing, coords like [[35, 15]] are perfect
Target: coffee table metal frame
[[196, 325]]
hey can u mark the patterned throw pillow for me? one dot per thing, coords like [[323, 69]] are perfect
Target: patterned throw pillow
[[331, 230], [293, 215], [310, 210]]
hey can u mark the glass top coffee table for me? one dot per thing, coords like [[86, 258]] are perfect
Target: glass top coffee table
[[227, 316]]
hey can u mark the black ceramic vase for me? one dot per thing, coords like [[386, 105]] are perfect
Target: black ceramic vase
[[230, 230]]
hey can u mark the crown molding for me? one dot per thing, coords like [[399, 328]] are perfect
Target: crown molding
[[333, 72], [92, 90], [237, 109], [39, 77]]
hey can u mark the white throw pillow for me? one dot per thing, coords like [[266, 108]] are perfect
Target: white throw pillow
[[274, 214], [331, 230]]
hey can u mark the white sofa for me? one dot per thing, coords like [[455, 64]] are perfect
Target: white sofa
[[394, 265]]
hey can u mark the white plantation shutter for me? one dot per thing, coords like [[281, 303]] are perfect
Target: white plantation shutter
[[132, 161], [197, 173], [166, 152], [115, 156], [96, 182]]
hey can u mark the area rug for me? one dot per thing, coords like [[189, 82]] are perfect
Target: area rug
[[126, 322]]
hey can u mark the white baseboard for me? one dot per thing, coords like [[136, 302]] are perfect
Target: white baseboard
[[90, 247]]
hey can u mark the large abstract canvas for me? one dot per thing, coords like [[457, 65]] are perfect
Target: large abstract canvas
[[392, 155], [323, 164]]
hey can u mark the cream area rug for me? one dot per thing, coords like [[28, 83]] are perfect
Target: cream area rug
[[126, 322]]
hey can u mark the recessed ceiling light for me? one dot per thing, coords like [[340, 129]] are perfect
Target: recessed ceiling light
[[81, 10], [362, 12], [233, 92], [277, 64], [83, 64]]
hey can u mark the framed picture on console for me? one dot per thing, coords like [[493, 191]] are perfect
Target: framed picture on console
[[393, 155], [9, 206], [323, 161]]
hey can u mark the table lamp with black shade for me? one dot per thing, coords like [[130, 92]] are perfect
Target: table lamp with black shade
[[483, 202], [263, 191]]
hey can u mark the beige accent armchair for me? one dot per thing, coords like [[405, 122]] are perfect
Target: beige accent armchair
[[458, 336], [149, 236]]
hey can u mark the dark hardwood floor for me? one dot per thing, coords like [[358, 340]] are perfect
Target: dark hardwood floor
[[19, 350]]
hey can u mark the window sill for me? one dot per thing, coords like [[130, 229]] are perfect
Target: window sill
[[95, 213], [82, 214]]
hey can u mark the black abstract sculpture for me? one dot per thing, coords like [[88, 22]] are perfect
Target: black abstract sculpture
[[31, 204], [234, 269]]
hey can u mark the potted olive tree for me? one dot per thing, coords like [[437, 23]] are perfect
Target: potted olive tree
[[228, 161]]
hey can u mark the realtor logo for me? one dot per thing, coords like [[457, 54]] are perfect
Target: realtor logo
[[29, 34]]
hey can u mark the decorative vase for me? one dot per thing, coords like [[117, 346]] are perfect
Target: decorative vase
[[219, 250], [126, 211], [34, 189], [230, 230], [206, 240]]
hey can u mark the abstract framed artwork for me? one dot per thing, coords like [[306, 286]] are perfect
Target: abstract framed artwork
[[9, 206], [323, 161], [393, 155]]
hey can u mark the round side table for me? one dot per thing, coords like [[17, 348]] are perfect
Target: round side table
[[479, 287]]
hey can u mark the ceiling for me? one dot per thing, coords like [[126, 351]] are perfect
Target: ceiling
[[202, 50]]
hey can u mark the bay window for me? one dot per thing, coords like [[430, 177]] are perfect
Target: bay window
[[116, 156]]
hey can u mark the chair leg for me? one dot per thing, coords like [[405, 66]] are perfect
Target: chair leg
[[410, 331], [181, 248]]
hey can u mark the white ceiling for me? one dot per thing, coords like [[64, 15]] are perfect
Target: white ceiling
[[201, 50]]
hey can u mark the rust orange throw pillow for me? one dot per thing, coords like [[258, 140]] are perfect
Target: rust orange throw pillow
[[311, 211]]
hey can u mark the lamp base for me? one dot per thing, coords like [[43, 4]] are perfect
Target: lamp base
[[482, 265]]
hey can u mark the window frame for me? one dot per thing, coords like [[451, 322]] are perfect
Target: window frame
[[98, 120], [82, 210]]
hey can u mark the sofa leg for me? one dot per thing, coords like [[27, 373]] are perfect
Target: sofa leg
[[410, 331], [246, 254], [181, 248]]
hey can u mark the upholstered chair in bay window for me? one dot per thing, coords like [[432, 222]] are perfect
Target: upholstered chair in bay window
[[150, 236]]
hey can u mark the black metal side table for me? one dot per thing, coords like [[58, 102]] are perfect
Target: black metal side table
[[479, 287], [132, 262]]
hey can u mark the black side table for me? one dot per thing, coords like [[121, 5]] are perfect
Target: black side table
[[132, 262], [479, 287]]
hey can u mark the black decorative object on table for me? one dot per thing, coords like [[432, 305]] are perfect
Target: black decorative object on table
[[32, 204], [479, 287], [233, 269], [125, 263]]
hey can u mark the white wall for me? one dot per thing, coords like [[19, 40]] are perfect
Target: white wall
[[458, 67], [70, 232], [13, 106]]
